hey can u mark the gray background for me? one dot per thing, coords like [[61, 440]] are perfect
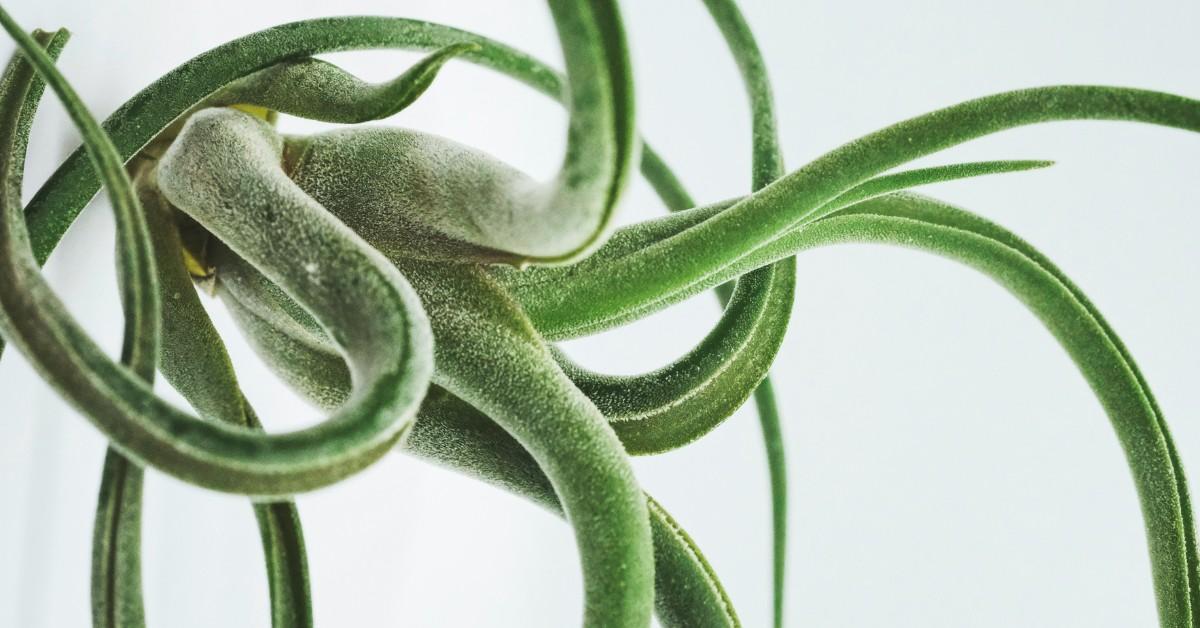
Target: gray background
[[948, 464]]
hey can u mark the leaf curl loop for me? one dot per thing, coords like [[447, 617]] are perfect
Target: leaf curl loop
[[451, 432], [194, 360], [149, 430], [680, 402], [522, 390], [116, 561], [578, 205]]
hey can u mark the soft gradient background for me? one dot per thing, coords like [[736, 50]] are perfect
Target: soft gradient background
[[948, 464]]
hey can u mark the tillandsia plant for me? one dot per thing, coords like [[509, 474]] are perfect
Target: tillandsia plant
[[414, 287]]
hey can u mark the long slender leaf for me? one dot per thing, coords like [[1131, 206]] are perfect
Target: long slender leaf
[[520, 387], [116, 546], [917, 222], [194, 360], [116, 557], [53, 43], [940, 213], [631, 241], [767, 155], [663, 273], [767, 166]]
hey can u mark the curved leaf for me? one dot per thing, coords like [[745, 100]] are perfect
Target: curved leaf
[[53, 44], [193, 359], [767, 155], [134, 258], [672, 406], [318, 90], [390, 347], [451, 432], [697, 258], [556, 423], [116, 557], [489, 355], [932, 211], [630, 242], [922, 223], [601, 141]]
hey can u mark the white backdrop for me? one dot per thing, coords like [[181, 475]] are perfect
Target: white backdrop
[[948, 464]]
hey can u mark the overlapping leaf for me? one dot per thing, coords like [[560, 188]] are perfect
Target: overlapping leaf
[[394, 363], [330, 310], [454, 433]]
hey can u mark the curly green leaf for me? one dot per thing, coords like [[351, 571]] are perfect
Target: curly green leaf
[[631, 242], [766, 166], [116, 556], [562, 220], [918, 222], [661, 274], [194, 360], [318, 90], [672, 406], [389, 347]]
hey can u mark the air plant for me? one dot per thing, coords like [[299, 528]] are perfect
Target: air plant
[[414, 287]]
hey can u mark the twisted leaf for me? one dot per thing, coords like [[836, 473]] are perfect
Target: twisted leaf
[[520, 387], [151, 112], [453, 433], [580, 454], [225, 163], [390, 347], [318, 90], [193, 359], [577, 206], [674, 405]]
